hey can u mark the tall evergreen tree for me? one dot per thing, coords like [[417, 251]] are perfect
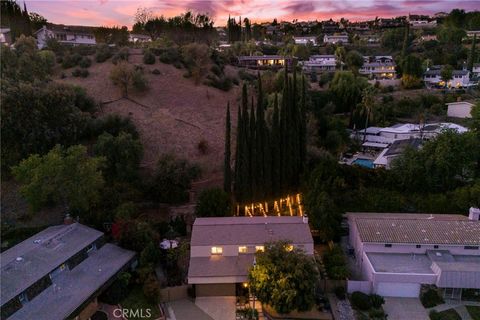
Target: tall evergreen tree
[[253, 153], [275, 149], [472, 57], [227, 170]]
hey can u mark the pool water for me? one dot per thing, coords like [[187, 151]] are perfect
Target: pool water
[[367, 163]]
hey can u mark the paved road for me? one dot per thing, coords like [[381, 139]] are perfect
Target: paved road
[[186, 310]]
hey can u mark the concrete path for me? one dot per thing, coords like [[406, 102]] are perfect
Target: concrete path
[[186, 310], [459, 306], [218, 308], [405, 308]]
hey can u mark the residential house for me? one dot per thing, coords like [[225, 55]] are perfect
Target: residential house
[[69, 35], [428, 37], [58, 273], [320, 64], [472, 33], [397, 253], [336, 38], [265, 61], [384, 23], [306, 40], [476, 70], [5, 36], [459, 109], [421, 21], [394, 150], [379, 67], [433, 78], [330, 26], [136, 37], [222, 249]]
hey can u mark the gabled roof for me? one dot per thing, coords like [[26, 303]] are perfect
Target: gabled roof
[[416, 228], [249, 230]]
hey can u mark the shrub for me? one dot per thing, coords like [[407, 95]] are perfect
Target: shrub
[[203, 146], [245, 75], [213, 203], [170, 55], [103, 53], [76, 72], [83, 101], [118, 290], [84, 73], [113, 124], [48, 60], [156, 71], [376, 301], [148, 57], [222, 83], [360, 300], [139, 82], [85, 62], [71, 60], [151, 289], [430, 298], [122, 55], [376, 314], [63, 75], [85, 50], [216, 70], [340, 293]]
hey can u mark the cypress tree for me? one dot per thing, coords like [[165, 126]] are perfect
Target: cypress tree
[[471, 58], [303, 126], [227, 171], [253, 153], [405, 40], [275, 149]]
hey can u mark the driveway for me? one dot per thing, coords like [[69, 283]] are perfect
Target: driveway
[[404, 308], [186, 310], [219, 308]]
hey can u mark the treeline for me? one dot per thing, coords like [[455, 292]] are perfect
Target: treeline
[[270, 159], [235, 31], [184, 28], [15, 18]]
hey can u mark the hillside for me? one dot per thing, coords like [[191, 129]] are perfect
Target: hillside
[[174, 115]]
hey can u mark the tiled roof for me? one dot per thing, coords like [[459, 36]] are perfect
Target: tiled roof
[[249, 230], [417, 228]]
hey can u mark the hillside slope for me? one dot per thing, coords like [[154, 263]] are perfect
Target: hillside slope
[[176, 114]]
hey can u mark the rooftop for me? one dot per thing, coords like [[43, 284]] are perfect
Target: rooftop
[[249, 230], [30, 260], [220, 266], [400, 263], [417, 228], [399, 146], [73, 287]]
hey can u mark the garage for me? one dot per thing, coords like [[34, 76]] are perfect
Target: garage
[[398, 289], [217, 289]]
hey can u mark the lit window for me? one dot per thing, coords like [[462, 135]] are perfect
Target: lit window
[[259, 248], [242, 249], [217, 250], [289, 247]]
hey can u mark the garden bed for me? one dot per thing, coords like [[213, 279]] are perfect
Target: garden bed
[[136, 300], [474, 312], [449, 314]]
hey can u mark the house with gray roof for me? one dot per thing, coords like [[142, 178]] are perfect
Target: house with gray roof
[[433, 78], [397, 253], [68, 35], [222, 249], [58, 273]]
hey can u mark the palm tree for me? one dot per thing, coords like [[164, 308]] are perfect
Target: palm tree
[[367, 107]]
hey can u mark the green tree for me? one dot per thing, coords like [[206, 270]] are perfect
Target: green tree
[[172, 180], [354, 61], [126, 77], [213, 203], [473, 54], [475, 113], [284, 279], [451, 36], [367, 107], [340, 54], [123, 154], [67, 177], [346, 90], [446, 74], [227, 170]]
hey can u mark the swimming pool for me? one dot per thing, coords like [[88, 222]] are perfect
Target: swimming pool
[[367, 163]]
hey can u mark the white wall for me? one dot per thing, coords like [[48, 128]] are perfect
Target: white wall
[[459, 110]]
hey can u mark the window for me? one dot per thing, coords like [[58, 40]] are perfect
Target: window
[[470, 247], [289, 247], [259, 248], [217, 250], [435, 247], [91, 247], [242, 249], [388, 245], [23, 298], [418, 246]]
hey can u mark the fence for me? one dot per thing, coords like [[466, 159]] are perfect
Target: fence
[[174, 293], [328, 286], [362, 286]]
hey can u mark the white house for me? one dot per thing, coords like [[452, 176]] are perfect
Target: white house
[[336, 38], [433, 78], [472, 33], [319, 64], [394, 150], [397, 253], [5, 36], [136, 37], [305, 40], [70, 35], [223, 249], [459, 109], [379, 67], [420, 21], [476, 70]]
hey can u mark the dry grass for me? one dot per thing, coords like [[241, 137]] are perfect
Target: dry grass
[[179, 113]]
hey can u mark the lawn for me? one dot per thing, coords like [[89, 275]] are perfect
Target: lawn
[[449, 314], [474, 312], [137, 301]]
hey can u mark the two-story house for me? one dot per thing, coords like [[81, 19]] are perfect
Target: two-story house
[[433, 78], [222, 250], [59, 272], [336, 38], [69, 35], [397, 253], [304, 40], [378, 67], [265, 61], [320, 63]]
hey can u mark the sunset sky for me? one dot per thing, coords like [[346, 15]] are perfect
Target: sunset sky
[[121, 12]]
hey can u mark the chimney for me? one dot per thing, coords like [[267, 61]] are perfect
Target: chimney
[[305, 219], [68, 219], [474, 214]]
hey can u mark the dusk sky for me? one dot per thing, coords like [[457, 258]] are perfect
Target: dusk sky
[[121, 12]]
